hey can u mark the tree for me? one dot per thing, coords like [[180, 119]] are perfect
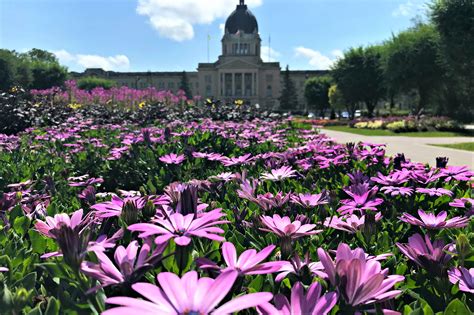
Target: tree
[[184, 85], [412, 64], [336, 99], [7, 69], [359, 77], [47, 75], [288, 98], [454, 21], [316, 92]]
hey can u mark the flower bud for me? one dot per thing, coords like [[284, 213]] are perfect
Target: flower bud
[[129, 212], [188, 200], [286, 246], [463, 248], [370, 227], [73, 244], [149, 211]]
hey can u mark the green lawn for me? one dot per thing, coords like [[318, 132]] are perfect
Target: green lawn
[[388, 133], [467, 146]]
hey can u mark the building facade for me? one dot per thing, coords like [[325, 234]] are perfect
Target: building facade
[[239, 72]]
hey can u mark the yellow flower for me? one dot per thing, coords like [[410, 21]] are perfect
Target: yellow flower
[[14, 89], [142, 104], [239, 102], [75, 106]]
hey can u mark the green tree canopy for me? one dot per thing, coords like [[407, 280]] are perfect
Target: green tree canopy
[[36, 68], [90, 83], [288, 98], [316, 92], [454, 21], [359, 77], [412, 63], [184, 85]]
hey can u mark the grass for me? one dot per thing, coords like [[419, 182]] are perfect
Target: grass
[[388, 133], [466, 146]]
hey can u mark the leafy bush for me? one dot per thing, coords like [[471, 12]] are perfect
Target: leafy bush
[[90, 83]]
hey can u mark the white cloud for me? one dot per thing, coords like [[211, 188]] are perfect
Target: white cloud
[[222, 28], [409, 8], [316, 58], [175, 19], [269, 54], [75, 61]]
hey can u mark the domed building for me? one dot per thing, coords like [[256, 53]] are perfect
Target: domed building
[[239, 72]]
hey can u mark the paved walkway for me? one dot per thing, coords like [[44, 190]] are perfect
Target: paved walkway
[[417, 149]]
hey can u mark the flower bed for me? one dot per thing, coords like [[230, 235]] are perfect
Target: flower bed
[[409, 124], [223, 217]]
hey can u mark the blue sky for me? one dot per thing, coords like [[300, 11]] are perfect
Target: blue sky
[[171, 35]]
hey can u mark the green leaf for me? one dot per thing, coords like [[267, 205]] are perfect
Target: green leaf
[[53, 307], [456, 307], [257, 283]]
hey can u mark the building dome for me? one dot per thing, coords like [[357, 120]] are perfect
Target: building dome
[[241, 19]]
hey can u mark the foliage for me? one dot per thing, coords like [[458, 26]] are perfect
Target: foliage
[[412, 64], [316, 92], [36, 69], [288, 98], [90, 83], [184, 85], [359, 77], [454, 21]]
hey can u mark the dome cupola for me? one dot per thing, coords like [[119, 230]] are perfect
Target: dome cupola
[[241, 19]]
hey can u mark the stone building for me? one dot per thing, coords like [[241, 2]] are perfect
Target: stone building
[[239, 72]]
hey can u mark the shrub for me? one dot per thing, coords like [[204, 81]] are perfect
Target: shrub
[[90, 83]]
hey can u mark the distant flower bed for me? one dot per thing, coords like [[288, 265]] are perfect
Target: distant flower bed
[[217, 217], [406, 124], [21, 109]]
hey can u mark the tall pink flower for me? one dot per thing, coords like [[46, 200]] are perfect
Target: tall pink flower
[[311, 303], [248, 263], [183, 228], [172, 158], [285, 228], [426, 254], [114, 207], [186, 295], [299, 267], [131, 264], [432, 221], [310, 200], [362, 199], [279, 174], [349, 223], [52, 223], [464, 277], [359, 279]]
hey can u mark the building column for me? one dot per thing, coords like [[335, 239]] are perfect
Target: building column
[[242, 89]]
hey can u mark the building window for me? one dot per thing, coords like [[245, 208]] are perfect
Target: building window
[[208, 90], [248, 84], [269, 91], [228, 84], [208, 78], [171, 85], [238, 84]]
